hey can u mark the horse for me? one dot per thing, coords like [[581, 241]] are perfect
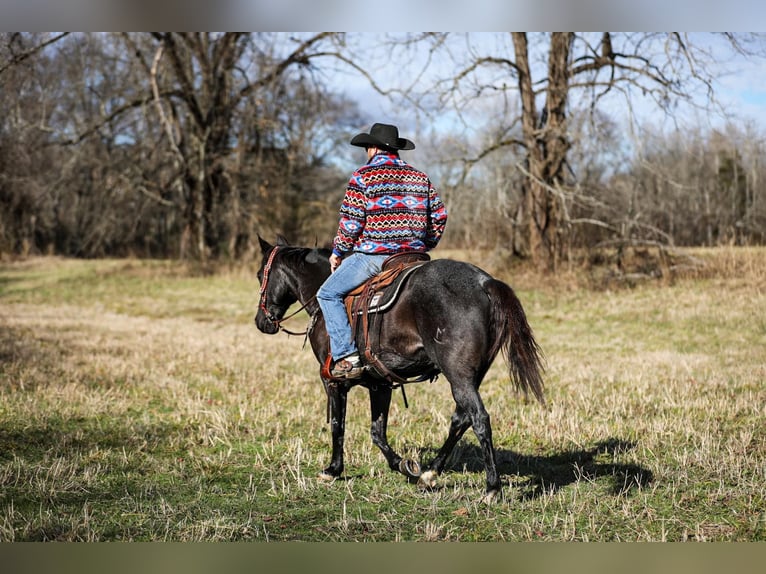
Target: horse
[[450, 318]]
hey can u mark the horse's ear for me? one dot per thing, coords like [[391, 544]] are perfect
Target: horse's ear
[[312, 256], [265, 245], [281, 240]]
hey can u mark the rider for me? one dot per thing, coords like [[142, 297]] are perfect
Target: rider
[[389, 207]]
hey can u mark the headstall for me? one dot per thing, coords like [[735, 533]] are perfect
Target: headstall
[[262, 304]]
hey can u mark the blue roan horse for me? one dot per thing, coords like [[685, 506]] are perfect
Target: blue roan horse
[[450, 318]]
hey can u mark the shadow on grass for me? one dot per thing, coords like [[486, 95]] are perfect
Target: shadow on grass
[[547, 473]]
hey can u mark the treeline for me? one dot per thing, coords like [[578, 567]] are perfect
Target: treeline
[[190, 145], [166, 145], [680, 188]]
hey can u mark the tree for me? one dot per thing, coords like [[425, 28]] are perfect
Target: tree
[[697, 188], [199, 82], [189, 144], [555, 77], [27, 93], [165, 144]]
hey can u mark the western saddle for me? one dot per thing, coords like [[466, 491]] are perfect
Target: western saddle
[[377, 295]]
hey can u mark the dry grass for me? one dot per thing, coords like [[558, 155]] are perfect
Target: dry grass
[[139, 402]]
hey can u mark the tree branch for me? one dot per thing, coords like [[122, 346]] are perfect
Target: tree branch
[[158, 104], [17, 59], [298, 56]]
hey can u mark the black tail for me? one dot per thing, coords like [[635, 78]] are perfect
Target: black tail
[[514, 337]]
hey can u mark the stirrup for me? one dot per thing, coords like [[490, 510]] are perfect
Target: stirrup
[[348, 368]]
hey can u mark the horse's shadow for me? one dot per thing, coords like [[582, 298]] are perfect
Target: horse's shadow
[[545, 474]]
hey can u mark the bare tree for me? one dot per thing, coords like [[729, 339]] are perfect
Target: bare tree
[[555, 76], [198, 84], [29, 89], [698, 188], [166, 144], [15, 48]]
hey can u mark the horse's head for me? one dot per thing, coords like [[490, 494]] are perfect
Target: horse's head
[[276, 296]]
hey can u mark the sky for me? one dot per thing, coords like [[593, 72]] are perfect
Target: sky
[[740, 86], [745, 89]]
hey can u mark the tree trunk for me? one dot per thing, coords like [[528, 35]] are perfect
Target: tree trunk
[[542, 212], [193, 244]]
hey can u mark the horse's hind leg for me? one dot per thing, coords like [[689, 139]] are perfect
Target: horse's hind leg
[[460, 423], [470, 411], [380, 402]]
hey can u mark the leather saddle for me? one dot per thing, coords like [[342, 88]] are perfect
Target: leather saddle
[[377, 295]]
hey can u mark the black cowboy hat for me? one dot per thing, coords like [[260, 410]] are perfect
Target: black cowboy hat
[[382, 136]]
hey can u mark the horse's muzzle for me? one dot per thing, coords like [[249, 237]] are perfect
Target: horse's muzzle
[[266, 324]]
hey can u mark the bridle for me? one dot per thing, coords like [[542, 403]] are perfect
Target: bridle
[[265, 283], [263, 298]]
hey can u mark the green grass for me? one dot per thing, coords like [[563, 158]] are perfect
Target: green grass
[[139, 402]]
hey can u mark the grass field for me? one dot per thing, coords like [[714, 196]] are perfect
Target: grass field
[[139, 402]]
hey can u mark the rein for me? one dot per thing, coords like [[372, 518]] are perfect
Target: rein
[[263, 298]]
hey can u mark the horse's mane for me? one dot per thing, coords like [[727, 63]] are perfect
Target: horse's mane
[[301, 256]]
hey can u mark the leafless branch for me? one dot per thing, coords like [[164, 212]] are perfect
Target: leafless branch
[[18, 58], [158, 104]]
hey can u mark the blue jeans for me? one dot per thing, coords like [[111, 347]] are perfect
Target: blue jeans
[[353, 271]]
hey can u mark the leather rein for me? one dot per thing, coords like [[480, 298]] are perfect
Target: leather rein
[[263, 298]]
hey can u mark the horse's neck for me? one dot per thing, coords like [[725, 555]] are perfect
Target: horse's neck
[[311, 304], [306, 290], [320, 342]]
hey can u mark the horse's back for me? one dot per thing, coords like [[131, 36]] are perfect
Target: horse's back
[[446, 291], [449, 279]]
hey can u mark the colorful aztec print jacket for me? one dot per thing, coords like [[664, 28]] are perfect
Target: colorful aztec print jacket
[[389, 207]]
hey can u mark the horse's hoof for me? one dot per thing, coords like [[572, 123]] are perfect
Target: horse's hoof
[[409, 468], [490, 497], [427, 480], [326, 476]]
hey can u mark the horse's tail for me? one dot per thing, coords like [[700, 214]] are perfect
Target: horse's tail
[[514, 337]]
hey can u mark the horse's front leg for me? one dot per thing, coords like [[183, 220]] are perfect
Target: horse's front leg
[[337, 395], [380, 402]]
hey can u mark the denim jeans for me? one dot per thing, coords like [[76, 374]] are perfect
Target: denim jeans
[[352, 272]]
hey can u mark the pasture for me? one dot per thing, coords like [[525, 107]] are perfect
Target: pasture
[[139, 402]]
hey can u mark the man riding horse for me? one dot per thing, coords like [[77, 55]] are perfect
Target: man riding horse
[[389, 207], [450, 317]]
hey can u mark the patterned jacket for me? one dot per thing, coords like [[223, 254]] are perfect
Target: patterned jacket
[[389, 207]]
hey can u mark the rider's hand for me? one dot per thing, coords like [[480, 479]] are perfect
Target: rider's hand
[[335, 261]]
